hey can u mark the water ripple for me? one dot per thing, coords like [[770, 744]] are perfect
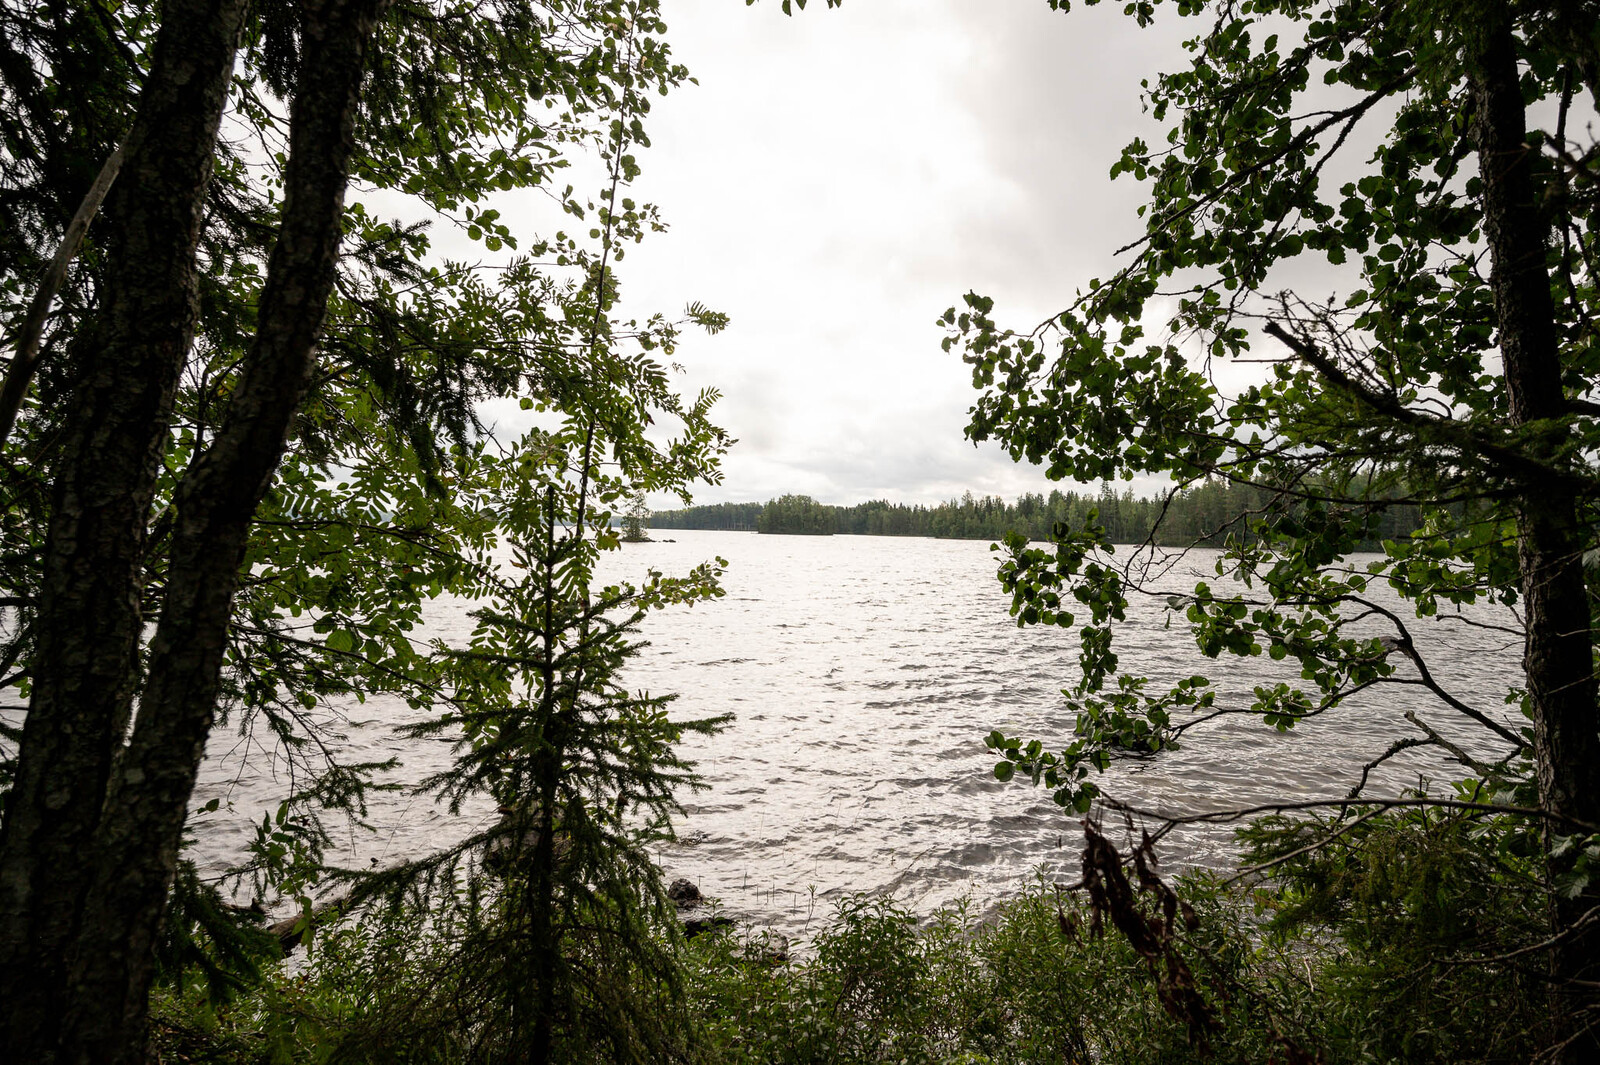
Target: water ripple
[[864, 672]]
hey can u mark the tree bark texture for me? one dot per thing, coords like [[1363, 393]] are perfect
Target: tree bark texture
[[1551, 537], [215, 504], [88, 622], [104, 906]]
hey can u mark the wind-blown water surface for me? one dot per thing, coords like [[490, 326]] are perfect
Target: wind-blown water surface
[[863, 673]]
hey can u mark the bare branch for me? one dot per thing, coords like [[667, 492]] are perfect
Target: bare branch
[[1242, 812], [26, 361]]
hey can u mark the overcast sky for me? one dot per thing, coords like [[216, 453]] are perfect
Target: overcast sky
[[837, 179]]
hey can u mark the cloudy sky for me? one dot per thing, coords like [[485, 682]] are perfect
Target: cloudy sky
[[837, 179]]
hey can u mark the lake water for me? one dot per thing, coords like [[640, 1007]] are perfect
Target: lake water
[[863, 674]]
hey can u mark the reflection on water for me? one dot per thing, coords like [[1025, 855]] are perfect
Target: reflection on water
[[863, 673]]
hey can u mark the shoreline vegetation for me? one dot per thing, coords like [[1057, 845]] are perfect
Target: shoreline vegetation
[[1330, 957], [1202, 515]]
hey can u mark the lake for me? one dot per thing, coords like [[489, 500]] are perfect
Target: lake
[[863, 674]]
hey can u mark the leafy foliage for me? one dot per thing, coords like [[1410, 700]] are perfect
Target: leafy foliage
[[1427, 165], [1324, 957], [382, 503], [1384, 398], [1422, 916], [394, 494], [1029, 984]]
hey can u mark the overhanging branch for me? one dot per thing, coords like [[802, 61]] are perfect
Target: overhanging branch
[[1466, 439]]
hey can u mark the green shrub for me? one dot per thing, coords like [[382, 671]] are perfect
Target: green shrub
[[1027, 985], [1404, 939], [1416, 923]]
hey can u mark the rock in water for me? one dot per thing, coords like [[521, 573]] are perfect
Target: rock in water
[[684, 894]]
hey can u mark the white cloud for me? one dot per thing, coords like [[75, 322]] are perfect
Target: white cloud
[[839, 178]]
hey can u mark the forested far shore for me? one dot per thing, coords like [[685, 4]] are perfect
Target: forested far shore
[[1202, 514]]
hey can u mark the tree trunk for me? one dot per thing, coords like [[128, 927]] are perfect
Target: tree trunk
[[1558, 651], [548, 766], [541, 916], [88, 622], [85, 983], [215, 505]]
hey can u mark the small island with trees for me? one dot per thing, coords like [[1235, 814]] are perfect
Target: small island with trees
[[636, 521]]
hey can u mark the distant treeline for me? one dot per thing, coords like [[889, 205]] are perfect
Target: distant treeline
[[720, 517], [1203, 514]]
